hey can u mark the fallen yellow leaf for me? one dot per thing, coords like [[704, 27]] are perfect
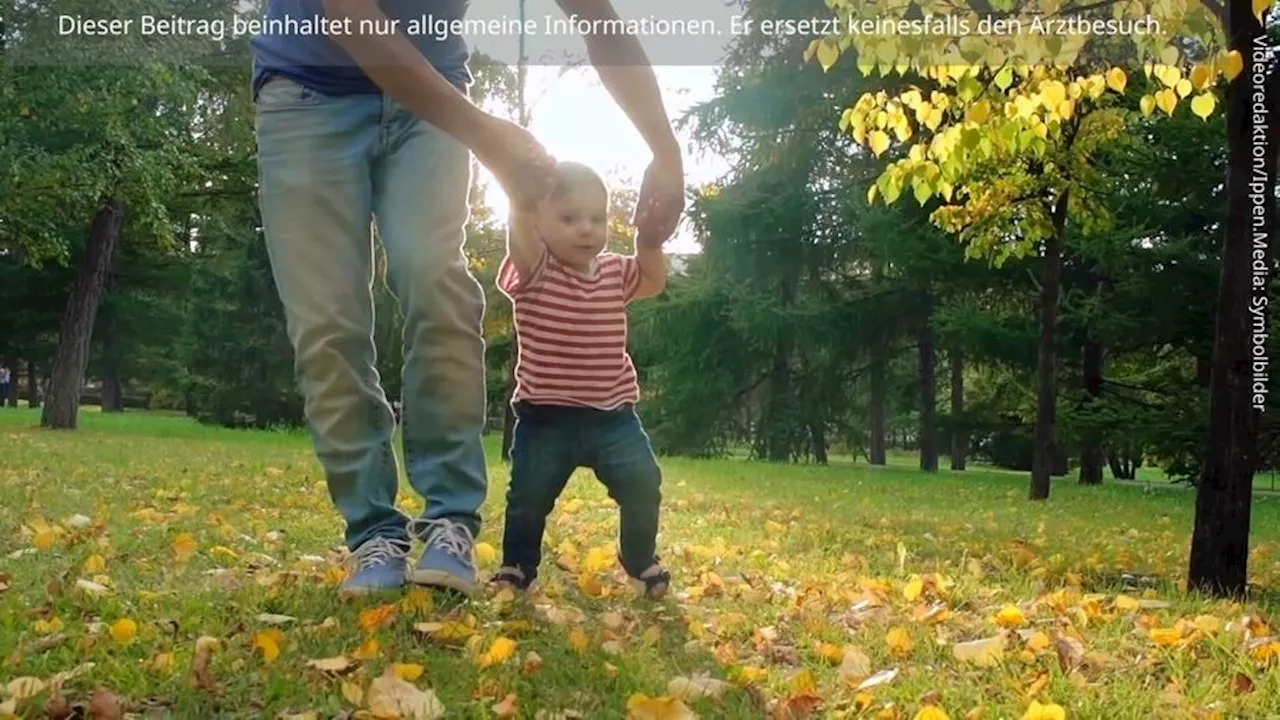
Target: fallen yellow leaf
[[95, 564], [486, 554], [643, 707], [986, 652], [1050, 711], [1011, 616], [269, 641], [391, 697], [353, 693], [368, 651], [1165, 637], [124, 631], [932, 712], [899, 641], [578, 640], [377, 617], [407, 671], [184, 546], [499, 652]]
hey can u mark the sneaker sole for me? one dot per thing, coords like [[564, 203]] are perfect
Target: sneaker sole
[[364, 592], [441, 579]]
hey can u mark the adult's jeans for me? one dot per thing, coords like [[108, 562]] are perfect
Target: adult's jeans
[[329, 169]]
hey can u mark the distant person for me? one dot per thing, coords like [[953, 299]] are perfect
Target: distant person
[[353, 129], [5, 378], [576, 385]]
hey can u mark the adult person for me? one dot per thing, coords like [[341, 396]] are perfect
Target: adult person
[[357, 128], [5, 378]]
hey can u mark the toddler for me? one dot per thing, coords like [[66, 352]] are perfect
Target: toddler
[[576, 386]]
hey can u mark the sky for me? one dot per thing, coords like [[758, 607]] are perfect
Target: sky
[[575, 118]]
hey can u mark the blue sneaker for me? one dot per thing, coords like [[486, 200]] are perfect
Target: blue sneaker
[[447, 561], [379, 566]]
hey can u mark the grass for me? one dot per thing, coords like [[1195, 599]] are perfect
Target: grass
[[784, 572]]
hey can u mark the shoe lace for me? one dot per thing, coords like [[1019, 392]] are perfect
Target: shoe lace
[[452, 537], [379, 551]]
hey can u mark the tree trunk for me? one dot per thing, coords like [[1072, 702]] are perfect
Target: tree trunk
[[818, 440], [33, 386], [876, 448], [77, 321], [959, 432], [1091, 455], [112, 393], [928, 392], [1044, 451], [1220, 542]]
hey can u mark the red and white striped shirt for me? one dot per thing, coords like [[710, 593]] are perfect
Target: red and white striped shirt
[[572, 332]]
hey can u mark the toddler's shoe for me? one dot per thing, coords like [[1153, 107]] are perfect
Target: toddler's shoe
[[654, 582], [511, 577]]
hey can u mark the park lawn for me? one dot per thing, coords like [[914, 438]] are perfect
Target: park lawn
[[794, 585]]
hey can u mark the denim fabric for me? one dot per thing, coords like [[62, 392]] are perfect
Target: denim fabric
[[328, 167], [550, 443]]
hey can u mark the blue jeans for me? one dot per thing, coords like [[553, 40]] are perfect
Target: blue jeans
[[551, 442], [328, 168]]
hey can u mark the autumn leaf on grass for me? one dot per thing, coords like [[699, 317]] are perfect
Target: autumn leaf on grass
[[377, 617], [486, 554], [47, 627], [986, 652], [391, 697], [591, 586], [184, 546], [507, 707], [599, 559], [338, 665], [643, 707], [368, 650], [205, 648], [899, 641], [932, 712], [800, 706], [1165, 637], [697, 687], [855, 665], [95, 564], [269, 641], [1050, 711], [407, 671], [352, 692], [532, 663], [451, 632], [418, 601], [1011, 616], [578, 640], [499, 652]]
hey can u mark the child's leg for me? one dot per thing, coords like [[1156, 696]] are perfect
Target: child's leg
[[623, 460], [544, 453]]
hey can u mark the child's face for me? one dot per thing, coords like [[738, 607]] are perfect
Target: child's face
[[575, 226]]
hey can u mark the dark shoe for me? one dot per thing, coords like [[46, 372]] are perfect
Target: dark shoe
[[653, 583]]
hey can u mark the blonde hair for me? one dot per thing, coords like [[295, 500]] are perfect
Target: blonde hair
[[574, 176]]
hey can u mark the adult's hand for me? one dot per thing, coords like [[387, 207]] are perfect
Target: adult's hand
[[517, 160], [661, 201]]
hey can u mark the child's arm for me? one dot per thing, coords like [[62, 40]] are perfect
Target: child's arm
[[652, 265], [526, 254]]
